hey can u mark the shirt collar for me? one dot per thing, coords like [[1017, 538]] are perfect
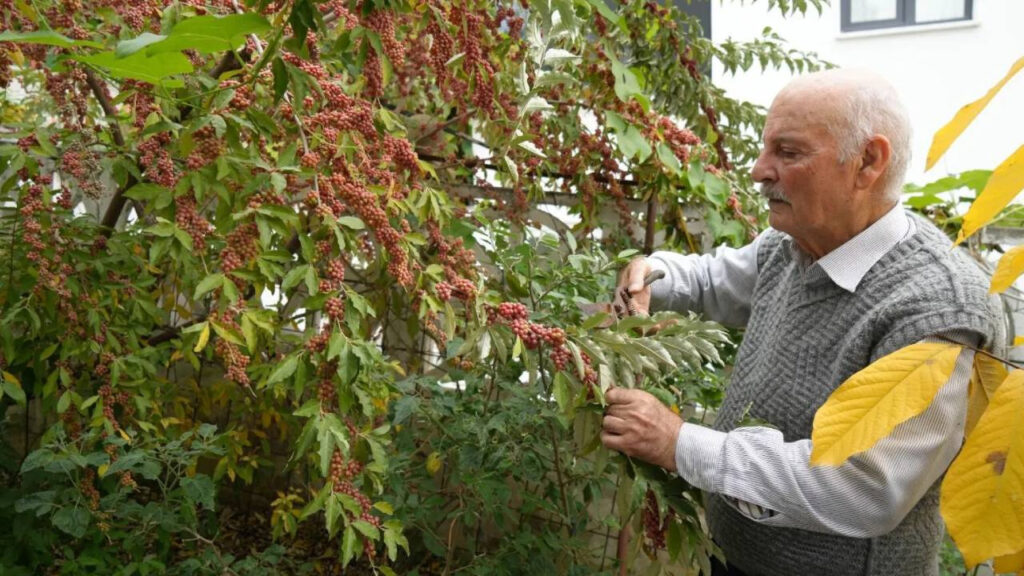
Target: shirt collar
[[847, 265]]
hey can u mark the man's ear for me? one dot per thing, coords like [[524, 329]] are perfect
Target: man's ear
[[874, 160]]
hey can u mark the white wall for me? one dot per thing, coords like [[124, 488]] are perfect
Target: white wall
[[937, 69]]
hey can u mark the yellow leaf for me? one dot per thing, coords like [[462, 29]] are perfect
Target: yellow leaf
[[872, 402], [102, 470], [948, 133], [981, 498], [1011, 563], [204, 337], [1018, 341], [11, 378], [987, 374], [433, 463], [1010, 266], [1003, 185]]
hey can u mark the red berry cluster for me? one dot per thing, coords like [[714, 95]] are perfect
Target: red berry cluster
[[401, 152], [365, 204], [383, 23], [655, 526], [318, 343], [187, 217], [156, 162], [372, 73], [84, 168], [341, 470], [207, 148], [111, 399], [443, 291], [326, 393], [335, 309], [442, 48], [128, 481], [336, 270], [88, 487], [235, 362], [241, 248], [31, 208]]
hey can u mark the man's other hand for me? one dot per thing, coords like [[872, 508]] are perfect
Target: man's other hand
[[632, 279], [639, 425]]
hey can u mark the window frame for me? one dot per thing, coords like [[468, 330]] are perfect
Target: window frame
[[906, 12]]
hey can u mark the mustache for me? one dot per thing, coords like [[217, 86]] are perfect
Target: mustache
[[772, 191]]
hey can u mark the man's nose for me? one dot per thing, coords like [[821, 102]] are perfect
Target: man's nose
[[762, 170]]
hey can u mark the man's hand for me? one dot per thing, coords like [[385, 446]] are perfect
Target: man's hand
[[639, 425], [632, 279]]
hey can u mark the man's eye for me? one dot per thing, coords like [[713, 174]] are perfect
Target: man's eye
[[787, 153]]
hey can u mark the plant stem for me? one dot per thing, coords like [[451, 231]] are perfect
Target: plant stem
[[982, 352]]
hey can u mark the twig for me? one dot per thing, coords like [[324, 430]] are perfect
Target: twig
[[980, 351]]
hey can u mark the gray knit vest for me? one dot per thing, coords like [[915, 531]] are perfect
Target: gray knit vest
[[805, 337]]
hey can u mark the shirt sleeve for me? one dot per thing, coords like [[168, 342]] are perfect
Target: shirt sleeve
[[772, 482], [719, 285]]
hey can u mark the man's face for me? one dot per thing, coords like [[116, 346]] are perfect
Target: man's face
[[809, 191]]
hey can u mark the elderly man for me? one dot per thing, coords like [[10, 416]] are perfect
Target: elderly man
[[843, 277]]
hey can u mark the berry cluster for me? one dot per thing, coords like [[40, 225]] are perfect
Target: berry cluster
[[341, 470], [326, 393], [335, 309], [655, 526], [235, 362], [241, 248], [318, 343], [401, 152], [188, 218], [156, 162], [88, 487], [383, 23], [111, 399], [514, 315], [442, 48], [366, 205], [207, 148]]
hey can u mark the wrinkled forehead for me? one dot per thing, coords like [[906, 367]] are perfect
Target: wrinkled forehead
[[801, 113]]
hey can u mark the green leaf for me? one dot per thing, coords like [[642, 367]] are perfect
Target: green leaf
[[283, 370], [348, 545], [208, 284], [333, 511], [317, 504], [605, 11], [133, 45], [633, 144], [211, 34], [293, 277], [73, 520], [627, 85], [47, 37], [668, 158], [352, 222], [367, 529], [200, 490], [563, 394], [12, 388], [139, 66], [404, 408], [393, 538]]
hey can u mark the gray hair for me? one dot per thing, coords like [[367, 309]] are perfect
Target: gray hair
[[865, 104]]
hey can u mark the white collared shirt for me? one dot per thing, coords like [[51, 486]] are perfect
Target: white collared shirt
[[770, 480]]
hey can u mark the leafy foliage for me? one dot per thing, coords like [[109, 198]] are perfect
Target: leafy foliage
[[306, 222]]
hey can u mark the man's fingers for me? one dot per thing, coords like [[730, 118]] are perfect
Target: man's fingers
[[638, 270], [614, 424]]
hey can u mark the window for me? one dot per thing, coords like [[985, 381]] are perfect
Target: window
[[874, 14]]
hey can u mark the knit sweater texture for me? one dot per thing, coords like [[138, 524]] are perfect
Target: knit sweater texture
[[805, 337]]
